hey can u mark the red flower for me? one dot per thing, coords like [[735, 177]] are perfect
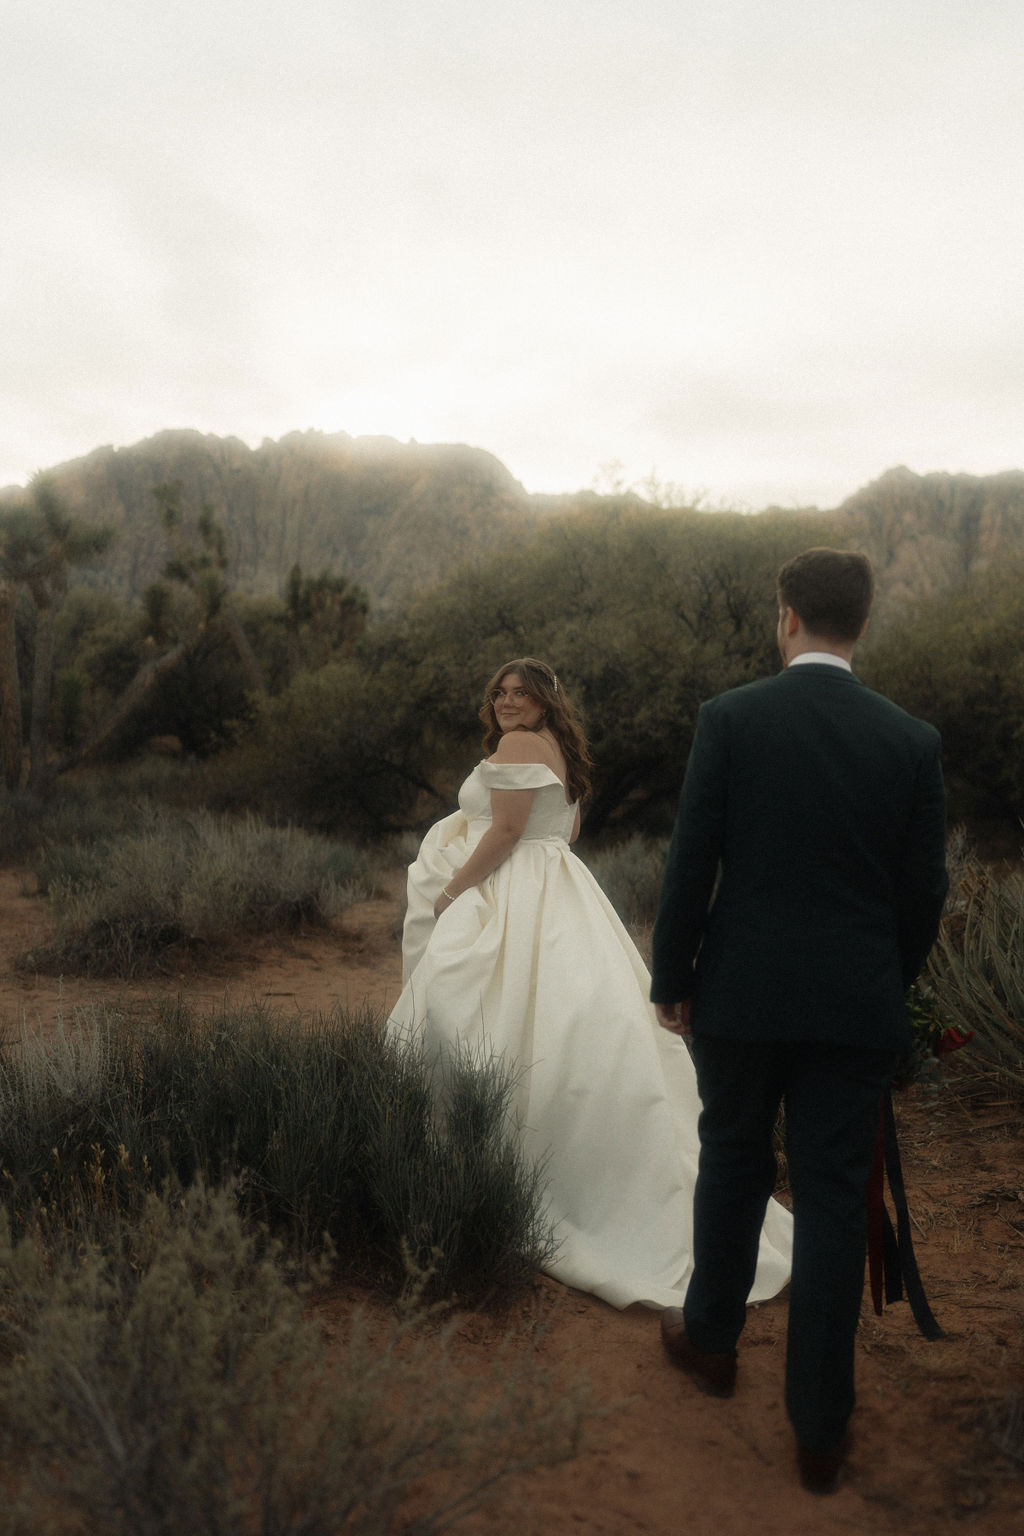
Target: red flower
[[952, 1039]]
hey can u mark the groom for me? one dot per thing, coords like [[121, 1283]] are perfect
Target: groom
[[821, 804]]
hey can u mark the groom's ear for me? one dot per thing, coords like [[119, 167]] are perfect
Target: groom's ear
[[790, 621]]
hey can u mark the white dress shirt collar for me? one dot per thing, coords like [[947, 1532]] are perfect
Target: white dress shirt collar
[[827, 656]]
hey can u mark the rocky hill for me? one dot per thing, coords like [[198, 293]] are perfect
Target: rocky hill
[[397, 517], [393, 517], [929, 532]]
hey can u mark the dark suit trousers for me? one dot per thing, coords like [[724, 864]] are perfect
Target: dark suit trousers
[[831, 1096]]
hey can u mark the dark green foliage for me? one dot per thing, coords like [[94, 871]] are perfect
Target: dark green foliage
[[645, 612], [331, 1127], [40, 542], [924, 1063], [643, 615], [104, 640], [70, 688], [323, 615], [237, 648], [203, 702], [447, 1176], [957, 661], [334, 753]]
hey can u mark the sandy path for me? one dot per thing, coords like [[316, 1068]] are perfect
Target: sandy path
[[357, 960]]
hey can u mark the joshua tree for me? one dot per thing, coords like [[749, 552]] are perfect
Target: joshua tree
[[39, 542], [204, 571]]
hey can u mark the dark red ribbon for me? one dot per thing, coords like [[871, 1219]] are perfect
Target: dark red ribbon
[[892, 1263]]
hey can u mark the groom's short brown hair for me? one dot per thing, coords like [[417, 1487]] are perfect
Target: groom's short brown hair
[[831, 591]]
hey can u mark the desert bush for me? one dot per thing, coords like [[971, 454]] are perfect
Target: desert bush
[[447, 1178], [954, 658], [171, 1377], [94, 807], [324, 753], [976, 972], [29, 826], [70, 867], [630, 873], [331, 1125], [188, 879]]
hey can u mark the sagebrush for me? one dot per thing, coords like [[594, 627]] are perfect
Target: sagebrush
[[630, 873], [169, 1375], [124, 901]]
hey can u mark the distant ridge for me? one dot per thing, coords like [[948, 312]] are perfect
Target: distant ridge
[[929, 532], [397, 517], [393, 517]]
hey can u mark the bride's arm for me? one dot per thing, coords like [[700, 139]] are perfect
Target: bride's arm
[[510, 810]]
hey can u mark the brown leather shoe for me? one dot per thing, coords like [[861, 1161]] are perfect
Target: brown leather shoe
[[714, 1373], [821, 1471]]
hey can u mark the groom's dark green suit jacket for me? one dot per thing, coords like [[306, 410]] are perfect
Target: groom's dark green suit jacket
[[821, 805]]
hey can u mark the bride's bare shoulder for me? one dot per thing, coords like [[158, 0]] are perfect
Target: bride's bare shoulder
[[523, 747], [530, 747], [518, 747]]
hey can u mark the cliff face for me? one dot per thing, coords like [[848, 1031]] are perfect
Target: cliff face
[[393, 517], [929, 532], [397, 517]]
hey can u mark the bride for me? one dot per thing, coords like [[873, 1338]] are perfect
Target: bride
[[511, 947]]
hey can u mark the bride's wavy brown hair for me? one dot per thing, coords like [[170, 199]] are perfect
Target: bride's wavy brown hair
[[560, 717]]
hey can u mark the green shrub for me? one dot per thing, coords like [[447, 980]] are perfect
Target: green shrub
[[30, 827], [71, 867], [331, 1125], [447, 1177], [954, 658], [94, 806], [630, 873], [188, 880], [976, 972], [335, 753], [169, 1378]]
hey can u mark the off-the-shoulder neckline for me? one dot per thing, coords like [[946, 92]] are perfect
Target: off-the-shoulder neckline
[[485, 762]]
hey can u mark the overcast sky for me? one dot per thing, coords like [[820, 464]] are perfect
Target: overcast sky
[[764, 249]]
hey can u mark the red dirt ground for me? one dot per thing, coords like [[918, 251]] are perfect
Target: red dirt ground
[[665, 1459]]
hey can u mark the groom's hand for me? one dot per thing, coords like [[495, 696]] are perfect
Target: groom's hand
[[675, 1017]]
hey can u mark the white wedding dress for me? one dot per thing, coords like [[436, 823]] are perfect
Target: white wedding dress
[[534, 964]]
